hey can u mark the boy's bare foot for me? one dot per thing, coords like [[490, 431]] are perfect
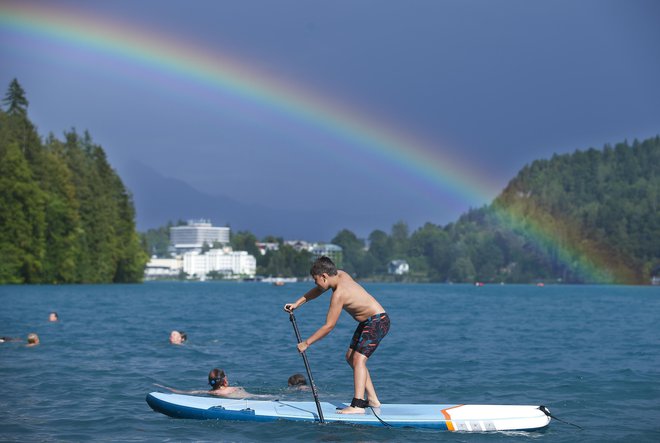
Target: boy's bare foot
[[351, 410]]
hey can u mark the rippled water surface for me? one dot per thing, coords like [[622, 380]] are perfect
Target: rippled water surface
[[589, 353]]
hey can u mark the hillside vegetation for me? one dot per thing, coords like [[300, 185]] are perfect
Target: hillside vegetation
[[65, 215]]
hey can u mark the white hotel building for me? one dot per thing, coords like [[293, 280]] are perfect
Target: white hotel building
[[224, 261], [188, 242], [197, 232]]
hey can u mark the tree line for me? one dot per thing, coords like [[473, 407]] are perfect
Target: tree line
[[588, 217], [65, 215]]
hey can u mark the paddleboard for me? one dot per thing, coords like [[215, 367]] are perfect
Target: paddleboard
[[451, 417]]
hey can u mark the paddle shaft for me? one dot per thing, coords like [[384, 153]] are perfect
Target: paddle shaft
[[309, 371]]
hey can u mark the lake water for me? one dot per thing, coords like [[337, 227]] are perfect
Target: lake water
[[589, 353]]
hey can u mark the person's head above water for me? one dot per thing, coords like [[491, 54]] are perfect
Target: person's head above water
[[297, 380], [323, 265], [32, 339], [53, 316], [178, 337], [217, 379]]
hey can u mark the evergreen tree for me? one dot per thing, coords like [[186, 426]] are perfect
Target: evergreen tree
[[62, 219], [22, 218], [15, 99]]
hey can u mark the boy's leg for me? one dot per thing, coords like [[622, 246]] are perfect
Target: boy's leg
[[361, 381], [368, 386], [371, 392]]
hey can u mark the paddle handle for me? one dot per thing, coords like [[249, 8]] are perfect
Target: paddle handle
[[309, 371]]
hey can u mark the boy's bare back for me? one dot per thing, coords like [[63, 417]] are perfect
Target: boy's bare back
[[354, 298]]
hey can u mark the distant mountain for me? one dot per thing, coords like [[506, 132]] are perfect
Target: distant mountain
[[159, 199]]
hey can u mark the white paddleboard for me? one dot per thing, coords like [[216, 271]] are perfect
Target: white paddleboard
[[451, 417]]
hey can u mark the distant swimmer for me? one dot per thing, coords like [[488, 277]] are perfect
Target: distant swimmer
[[32, 339], [373, 325], [178, 337], [298, 381], [220, 387], [53, 316]]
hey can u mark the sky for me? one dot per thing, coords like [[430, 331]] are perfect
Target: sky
[[301, 118]]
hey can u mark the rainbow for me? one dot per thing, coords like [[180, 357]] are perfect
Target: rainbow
[[435, 170], [188, 63]]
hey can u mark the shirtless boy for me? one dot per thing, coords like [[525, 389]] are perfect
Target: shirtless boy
[[373, 325]]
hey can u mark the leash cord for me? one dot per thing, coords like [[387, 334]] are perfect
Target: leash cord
[[379, 419], [546, 411]]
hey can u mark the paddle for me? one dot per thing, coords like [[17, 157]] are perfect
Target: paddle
[[309, 371]]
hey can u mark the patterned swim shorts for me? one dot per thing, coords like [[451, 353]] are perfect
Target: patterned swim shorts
[[369, 333]]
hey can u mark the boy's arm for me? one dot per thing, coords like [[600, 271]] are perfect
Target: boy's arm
[[178, 391], [334, 311], [310, 295]]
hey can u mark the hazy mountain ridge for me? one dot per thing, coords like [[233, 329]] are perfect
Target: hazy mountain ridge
[[159, 199]]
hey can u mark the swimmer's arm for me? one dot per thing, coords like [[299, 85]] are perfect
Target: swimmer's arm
[[177, 391], [334, 311], [238, 393], [270, 397], [310, 295]]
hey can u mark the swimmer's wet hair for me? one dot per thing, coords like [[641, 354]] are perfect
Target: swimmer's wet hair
[[297, 380], [216, 378], [323, 265]]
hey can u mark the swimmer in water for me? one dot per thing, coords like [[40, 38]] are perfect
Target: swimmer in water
[[178, 337], [220, 387]]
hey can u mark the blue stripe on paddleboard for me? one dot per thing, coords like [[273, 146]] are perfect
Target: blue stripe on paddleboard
[[220, 413], [214, 413]]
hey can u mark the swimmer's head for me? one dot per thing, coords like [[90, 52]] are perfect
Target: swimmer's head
[[32, 339], [217, 378], [53, 316], [297, 380], [178, 337]]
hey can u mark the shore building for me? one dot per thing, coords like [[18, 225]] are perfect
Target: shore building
[[398, 267], [224, 261], [159, 268], [197, 232]]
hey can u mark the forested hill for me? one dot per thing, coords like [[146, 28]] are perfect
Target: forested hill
[[65, 215], [590, 216]]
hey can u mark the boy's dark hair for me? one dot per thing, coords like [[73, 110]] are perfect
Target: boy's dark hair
[[216, 378], [297, 380], [323, 265]]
